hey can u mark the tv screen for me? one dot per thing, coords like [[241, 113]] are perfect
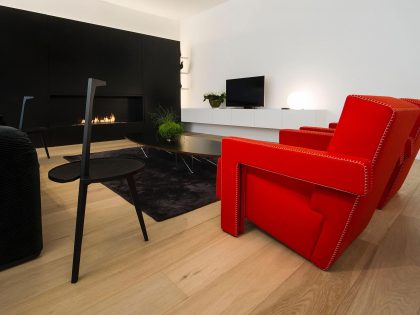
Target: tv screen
[[245, 92]]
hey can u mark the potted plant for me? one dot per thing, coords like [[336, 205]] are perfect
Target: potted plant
[[215, 99], [167, 123]]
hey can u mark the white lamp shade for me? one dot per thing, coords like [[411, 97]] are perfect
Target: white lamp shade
[[300, 100]]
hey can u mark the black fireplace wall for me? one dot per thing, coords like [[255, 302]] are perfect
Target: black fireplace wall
[[51, 58]]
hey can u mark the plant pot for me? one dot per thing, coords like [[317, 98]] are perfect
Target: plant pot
[[215, 103], [175, 139]]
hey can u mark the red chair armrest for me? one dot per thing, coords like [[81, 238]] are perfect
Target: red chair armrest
[[306, 139], [320, 129], [336, 171], [332, 170]]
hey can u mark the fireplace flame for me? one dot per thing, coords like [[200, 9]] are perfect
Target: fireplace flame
[[102, 120]]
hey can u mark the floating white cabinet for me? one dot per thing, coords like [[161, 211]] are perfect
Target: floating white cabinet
[[255, 118]]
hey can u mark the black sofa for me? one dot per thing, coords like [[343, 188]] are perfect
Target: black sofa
[[20, 200]]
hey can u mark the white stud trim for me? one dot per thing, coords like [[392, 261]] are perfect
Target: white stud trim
[[237, 210]]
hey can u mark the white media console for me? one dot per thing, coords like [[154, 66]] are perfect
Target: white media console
[[260, 124]]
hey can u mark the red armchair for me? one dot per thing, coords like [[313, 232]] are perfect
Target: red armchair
[[315, 138], [316, 202]]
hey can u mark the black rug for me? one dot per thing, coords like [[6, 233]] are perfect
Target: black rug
[[165, 190]]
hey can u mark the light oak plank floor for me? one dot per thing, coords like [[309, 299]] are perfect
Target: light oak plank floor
[[190, 266]]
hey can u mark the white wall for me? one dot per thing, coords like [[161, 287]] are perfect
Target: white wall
[[101, 13], [329, 48]]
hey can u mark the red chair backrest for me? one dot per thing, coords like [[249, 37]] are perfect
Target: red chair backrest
[[375, 128]]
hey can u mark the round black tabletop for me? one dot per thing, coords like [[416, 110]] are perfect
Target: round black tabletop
[[100, 170]]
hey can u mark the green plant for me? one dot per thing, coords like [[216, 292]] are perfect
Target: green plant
[[170, 130], [215, 97], [167, 123], [163, 115]]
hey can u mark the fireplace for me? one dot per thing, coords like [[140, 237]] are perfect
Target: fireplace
[[70, 110], [113, 117]]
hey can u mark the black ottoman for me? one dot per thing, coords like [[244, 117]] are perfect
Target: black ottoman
[[20, 200]]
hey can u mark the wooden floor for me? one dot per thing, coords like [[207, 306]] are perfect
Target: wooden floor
[[190, 266]]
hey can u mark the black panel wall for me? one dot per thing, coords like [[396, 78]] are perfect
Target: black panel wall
[[51, 58], [81, 50], [162, 84], [23, 65]]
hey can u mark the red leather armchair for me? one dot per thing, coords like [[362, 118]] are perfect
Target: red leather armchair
[[316, 202], [315, 137]]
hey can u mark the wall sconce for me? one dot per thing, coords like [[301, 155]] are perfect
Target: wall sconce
[[185, 65], [185, 81]]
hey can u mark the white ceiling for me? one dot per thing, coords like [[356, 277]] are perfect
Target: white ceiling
[[172, 9]]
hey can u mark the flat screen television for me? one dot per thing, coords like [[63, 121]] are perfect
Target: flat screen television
[[245, 92]]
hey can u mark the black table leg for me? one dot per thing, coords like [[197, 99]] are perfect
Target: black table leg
[[135, 198], [81, 206], [44, 142]]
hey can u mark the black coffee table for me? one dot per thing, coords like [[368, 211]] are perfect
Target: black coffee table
[[195, 147]]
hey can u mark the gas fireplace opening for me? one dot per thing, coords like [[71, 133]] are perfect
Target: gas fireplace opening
[[102, 120], [107, 110]]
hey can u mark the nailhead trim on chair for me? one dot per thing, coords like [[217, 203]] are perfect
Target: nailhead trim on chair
[[346, 227], [237, 199], [310, 132]]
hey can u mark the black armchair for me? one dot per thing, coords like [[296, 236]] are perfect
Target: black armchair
[[20, 200]]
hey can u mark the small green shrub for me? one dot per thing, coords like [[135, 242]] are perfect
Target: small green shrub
[[170, 130]]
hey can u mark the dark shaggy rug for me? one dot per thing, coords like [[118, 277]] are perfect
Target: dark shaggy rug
[[165, 190]]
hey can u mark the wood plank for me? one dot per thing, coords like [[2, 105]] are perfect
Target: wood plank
[[239, 289], [195, 272], [391, 282], [154, 295], [310, 290]]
